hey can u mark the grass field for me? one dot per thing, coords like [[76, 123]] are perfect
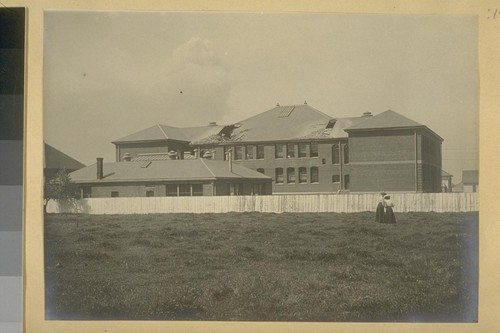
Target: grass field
[[262, 267]]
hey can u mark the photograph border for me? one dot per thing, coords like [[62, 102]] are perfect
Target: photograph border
[[488, 48]]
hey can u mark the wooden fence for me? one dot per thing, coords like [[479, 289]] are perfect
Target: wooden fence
[[297, 203]]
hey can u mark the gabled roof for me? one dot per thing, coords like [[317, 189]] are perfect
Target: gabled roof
[[163, 132], [166, 170], [388, 120], [56, 159], [470, 176]]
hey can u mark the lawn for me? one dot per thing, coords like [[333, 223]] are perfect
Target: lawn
[[262, 267]]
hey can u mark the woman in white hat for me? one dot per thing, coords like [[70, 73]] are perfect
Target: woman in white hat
[[389, 213]]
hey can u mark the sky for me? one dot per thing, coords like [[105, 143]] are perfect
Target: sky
[[109, 74]]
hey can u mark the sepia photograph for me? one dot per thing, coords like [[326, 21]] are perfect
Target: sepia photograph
[[260, 167]]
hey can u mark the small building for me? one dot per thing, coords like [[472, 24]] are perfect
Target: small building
[[470, 180], [446, 183], [169, 177]]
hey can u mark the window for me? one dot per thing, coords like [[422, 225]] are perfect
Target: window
[[260, 152], [257, 189], [115, 194], [302, 175], [346, 182], [314, 149], [184, 190], [261, 170], [250, 152], [335, 154], [235, 189], [279, 175], [346, 153], [335, 179], [150, 193], [87, 192], [302, 149], [280, 150], [197, 190], [238, 152], [171, 190], [290, 175], [290, 150], [314, 175]]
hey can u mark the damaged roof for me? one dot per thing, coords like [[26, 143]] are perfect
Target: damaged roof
[[165, 170], [163, 132], [291, 122]]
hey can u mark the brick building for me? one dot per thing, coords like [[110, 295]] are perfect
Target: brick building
[[306, 151]]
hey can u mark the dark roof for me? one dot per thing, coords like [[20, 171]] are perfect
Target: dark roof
[[291, 122], [165, 170], [388, 120], [470, 176], [163, 132], [56, 159]]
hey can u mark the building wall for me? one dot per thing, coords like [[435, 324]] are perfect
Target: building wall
[[395, 160], [323, 162], [382, 160], [140, 190]]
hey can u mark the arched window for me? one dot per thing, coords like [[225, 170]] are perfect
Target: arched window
[[335, 154], [346, 153]]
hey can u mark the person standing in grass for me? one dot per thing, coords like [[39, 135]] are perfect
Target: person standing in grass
[[380, 214], [389, 213]]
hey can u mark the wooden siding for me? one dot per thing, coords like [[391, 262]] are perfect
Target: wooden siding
[[299, 203]]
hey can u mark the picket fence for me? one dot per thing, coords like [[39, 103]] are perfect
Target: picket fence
[[297, 203]]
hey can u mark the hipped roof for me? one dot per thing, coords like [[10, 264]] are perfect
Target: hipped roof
[[163, 132], [166, 170], [56, 159], [388, 120]]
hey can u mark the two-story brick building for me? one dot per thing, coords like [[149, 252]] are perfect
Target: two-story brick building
[[306, 151]]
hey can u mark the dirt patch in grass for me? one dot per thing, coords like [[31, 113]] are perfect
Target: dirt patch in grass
[[262, 267]]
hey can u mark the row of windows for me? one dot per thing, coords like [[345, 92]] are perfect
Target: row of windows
[[340, 152], [281, 150], [248, 152], [291, 178], [292, 150], [279, 176], [193, 190]]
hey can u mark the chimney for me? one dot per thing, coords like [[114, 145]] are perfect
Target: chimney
[[127, 157], [366, 114], [99, 168]]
